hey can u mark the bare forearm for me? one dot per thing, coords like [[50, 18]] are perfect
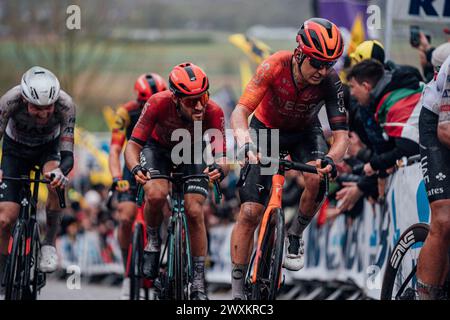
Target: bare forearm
[[239, 124], [339, 146], [132, 152], [114, 161]]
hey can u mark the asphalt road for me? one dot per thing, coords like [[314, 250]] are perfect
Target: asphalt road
[[56, 289]]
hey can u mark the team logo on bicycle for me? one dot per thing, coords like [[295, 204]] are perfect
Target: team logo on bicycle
[[403, 245]]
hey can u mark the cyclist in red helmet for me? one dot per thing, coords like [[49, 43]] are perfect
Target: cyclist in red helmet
[[147, 85], [125, 120], [187, 111], [286, 93]]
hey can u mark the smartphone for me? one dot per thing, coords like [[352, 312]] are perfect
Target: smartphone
[[414, 36]]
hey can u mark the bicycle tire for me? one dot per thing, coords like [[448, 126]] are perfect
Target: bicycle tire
[[135, 272], [269, 264], [35, 246], [277, 253], [414, 234], [14, 281], [178, 281]]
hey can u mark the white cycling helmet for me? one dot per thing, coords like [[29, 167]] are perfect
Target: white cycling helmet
[[40, 86], [440, 54]]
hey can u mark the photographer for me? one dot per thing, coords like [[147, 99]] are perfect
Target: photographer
[[422, 42]]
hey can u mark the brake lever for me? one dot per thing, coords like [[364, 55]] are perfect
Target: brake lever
[[326, 179], [60, 193], [243, 175], [217, 191]]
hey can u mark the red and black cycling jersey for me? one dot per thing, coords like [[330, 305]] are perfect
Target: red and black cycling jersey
[[160, 118], [278, 103], [126, 118]]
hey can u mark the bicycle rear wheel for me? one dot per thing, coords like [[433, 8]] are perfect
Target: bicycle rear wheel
[[400, 281], [135, 272], [15, 265], [269, 264]]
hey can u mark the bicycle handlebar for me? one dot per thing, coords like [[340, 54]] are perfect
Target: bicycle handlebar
[[157, 176], [288, 164], [59, 191], [174, 180]]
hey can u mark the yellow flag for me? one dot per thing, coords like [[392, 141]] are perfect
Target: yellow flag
[[256, 50], [109, 116], [246, 73], [87, 140], [358, 35]]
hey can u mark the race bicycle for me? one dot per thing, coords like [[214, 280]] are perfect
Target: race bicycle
[[22, 278], [176, 274], [133, 267], [263, 279]]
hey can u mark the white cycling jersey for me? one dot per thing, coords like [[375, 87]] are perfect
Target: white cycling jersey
[[20, 126], [436, 95]]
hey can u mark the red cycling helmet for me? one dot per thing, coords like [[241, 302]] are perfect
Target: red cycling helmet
[[148, 84], [320, 39], [188, 79]]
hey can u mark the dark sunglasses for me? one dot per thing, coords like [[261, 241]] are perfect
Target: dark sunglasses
[[36, 106], [318, 64], [192, 102]]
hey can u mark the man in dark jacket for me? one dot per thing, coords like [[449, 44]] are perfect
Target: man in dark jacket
[[380, 120]]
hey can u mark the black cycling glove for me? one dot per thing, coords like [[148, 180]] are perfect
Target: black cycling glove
[[329, 161]]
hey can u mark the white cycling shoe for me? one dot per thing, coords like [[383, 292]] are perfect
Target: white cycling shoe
[[294, 253], [125, 291], [49, 259]]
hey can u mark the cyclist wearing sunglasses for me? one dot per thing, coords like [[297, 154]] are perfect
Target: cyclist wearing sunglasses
[[185, 105], [37, 122], [286, 93], [125, 120]]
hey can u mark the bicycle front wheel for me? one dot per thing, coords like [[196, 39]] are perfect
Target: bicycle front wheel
[[178, 281], [400, 281], [269, 264], [36, 277], [16, 264], [135, 271]]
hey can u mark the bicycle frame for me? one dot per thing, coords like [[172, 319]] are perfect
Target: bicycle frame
[[273, 213], [27, 221], [138, 220], [274, 202], [178, 220], [178, 212]]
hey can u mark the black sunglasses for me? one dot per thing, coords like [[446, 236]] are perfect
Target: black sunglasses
[[317, 64]]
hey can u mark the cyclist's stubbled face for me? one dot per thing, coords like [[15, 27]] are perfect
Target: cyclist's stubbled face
[[312, 75], [41, 113], [194, 108], [360, 91]]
